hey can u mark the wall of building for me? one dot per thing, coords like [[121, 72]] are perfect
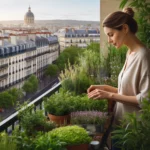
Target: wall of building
[[106, 7]]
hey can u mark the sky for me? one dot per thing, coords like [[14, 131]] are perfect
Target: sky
[[88, 10]]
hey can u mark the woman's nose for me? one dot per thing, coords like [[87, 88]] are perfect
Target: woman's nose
[[109, 40]]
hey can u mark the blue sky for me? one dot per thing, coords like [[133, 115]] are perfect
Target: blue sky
[[51, 9]]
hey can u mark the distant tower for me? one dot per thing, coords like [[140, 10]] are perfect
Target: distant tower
[[29, 17]]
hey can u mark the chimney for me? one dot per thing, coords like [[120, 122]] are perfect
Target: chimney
[[73, 30], [1, 41], [67, 30], [87, 30]]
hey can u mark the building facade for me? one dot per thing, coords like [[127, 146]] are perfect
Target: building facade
[[77, 37], [23, 54]]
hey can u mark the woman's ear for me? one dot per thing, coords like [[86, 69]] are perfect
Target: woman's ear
[[125, 28]]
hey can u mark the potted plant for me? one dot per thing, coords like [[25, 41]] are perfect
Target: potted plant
[[59, 108], [46, 142], [134, 131], [93, 121], [7, 142], [75, 137], [35, 122]]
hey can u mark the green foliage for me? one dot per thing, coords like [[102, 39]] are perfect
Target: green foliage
[[32, 123], [63, 103], [23, 141], [71, 135], [142, 8], [6, 100], [52, 70], [79, 77], [7, 142], [16, 93], [31, 85], [46, 142], [83, 103], [94, 47], [113, 65], [69, 54], [58, 104], [134, 131]]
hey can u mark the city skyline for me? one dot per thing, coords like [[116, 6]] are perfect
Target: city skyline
[[51, 10]]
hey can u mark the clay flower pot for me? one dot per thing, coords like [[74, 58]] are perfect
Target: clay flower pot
[[78, 147], [60, 120]]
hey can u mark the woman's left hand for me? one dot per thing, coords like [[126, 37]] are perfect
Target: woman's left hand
[[99, 94]]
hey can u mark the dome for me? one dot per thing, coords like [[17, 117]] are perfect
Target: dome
[[29, 14], [29, 17]]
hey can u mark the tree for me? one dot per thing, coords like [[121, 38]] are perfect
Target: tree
[[6, 100], [31, 85], [52, 70], [16, 93], [33, 79], [94, 47], [69, 54]]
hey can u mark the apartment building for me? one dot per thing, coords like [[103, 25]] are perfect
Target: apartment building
[[23, 54], [77, 37]]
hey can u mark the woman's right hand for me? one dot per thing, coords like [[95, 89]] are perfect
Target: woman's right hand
[[93, 87]]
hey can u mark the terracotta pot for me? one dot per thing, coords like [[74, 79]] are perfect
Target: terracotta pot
[[60, 120], [78, 147]]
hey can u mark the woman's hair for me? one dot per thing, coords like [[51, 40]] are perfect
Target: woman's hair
[[117, 19]]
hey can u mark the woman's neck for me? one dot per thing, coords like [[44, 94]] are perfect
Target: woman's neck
[[133, 43]]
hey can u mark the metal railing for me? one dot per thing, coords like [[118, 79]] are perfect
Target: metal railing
[[9, 123]]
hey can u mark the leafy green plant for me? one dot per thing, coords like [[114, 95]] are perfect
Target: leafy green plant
[[142, 8], [58, 104], [7, 142], [46, 142], [35, 122], [75, 79], [22, 140], [64, 103], [134, 131], [71, 135], [113, 65], [83, 103], [78, 77]]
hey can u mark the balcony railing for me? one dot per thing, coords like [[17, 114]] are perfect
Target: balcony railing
[[3, 66], [9, 123], [4, 76]]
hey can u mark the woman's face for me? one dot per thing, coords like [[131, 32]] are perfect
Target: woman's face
[[115, 37]]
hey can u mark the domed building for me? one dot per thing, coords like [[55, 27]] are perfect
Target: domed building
[[29, 17]]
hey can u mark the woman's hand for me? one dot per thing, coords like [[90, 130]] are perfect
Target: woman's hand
[[93, 87], [99, 94]]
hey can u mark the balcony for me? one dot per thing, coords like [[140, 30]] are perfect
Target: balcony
[[4, 76], [12, 121], [3, 66]]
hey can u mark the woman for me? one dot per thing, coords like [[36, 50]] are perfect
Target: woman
[[134, 78]]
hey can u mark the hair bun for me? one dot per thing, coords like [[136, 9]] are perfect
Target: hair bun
[[129, 11]]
